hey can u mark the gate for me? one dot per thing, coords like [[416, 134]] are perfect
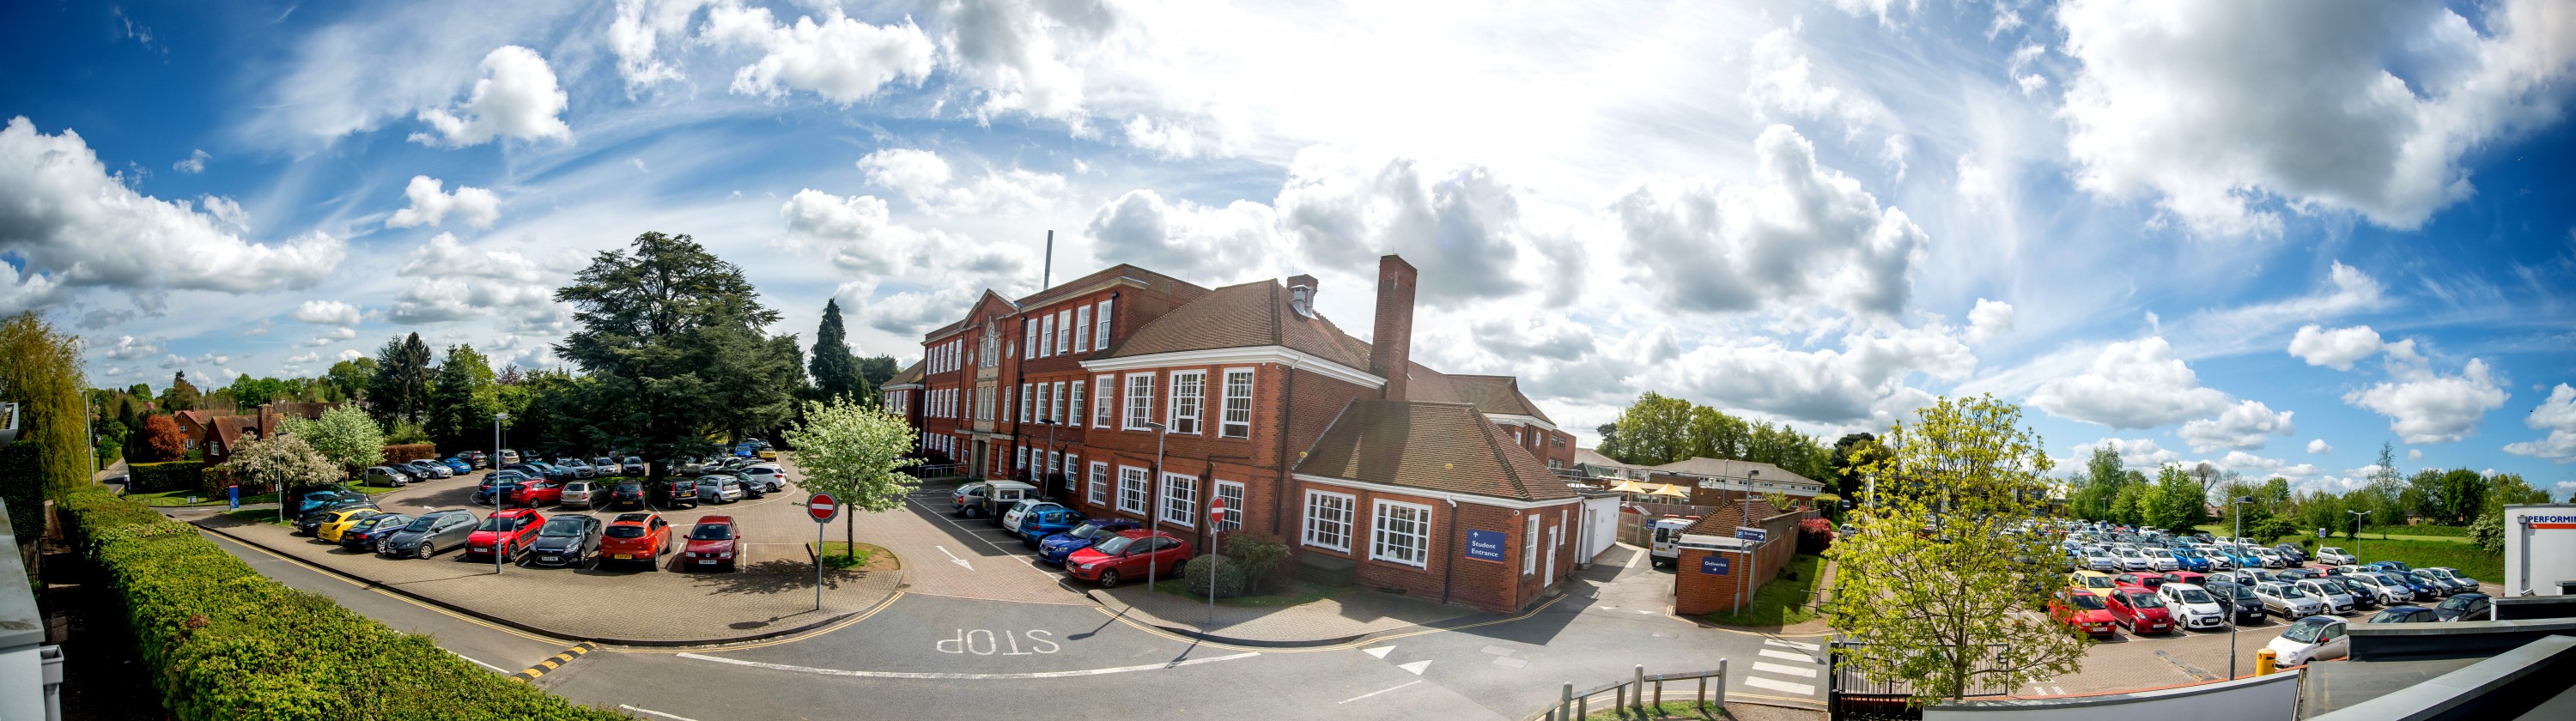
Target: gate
[[1851, 695]]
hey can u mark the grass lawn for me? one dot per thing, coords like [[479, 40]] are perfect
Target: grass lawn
[[1287, 593], [1665, 711], [2449, 531], [1783, 601], [262, 515], [170, 499], [836, 556], [2437, 534], [2468, 559]]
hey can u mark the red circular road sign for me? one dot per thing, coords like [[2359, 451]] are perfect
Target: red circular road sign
[[1217, 509], [822, 508]]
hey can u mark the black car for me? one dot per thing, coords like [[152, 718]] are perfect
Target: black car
[[2240, 601], [2291, 553], [2406, 614], [670, 493], [566, 540], [750, 488], [429, 534], [364, 535], [2466, 607], [509, 480], [313, 519], [626, 493]]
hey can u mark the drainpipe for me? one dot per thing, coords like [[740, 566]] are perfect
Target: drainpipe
[[1449, 566], [1280, 502]]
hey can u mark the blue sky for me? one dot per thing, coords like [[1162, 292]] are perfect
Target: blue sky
[[2267, 236]]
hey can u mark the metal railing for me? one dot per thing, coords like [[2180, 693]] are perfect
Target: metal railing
[[944, 470], [1638, 691], [1849, 693]]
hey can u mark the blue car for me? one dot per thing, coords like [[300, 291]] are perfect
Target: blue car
[[2191, 560], [2245, 559], [1056, 547], [1044, 522], [2390, 566], [458, 465]]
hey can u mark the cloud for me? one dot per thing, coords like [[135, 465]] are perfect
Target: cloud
[[923, 178], [2135, 453], [2319, 446], [303, 358], [2244, 426], [1989, 319], [347, 354], [2426, 407], [331, 336], [443, 256], [447, 299], [1237, 242], [476, 207], [1784, 86], [2557, 415], [1804, 231], [636, 33], [2414, 454], [1535, 335], [2131, 384], [1862, 384], [129, 348], [517, 98], [1021, 54], [2259, 467], [2337, 348], [2217, 108], [62, 202], [195, 162], [327, 312], [859, 237], [841, 59]]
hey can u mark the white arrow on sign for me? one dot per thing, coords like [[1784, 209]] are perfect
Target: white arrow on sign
[[952, 558]]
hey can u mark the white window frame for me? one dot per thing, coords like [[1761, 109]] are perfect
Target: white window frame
[[1063, 338], [1046, 335], [1381, 537], [1024, 402], [1099, 483], [1227, 426], [1046, 401], [1021, 456], [1529, 547], [1029, 345], [1187, 410], [1055, 463], [1082, 329], [1059, 404], [1100, 335], [1232, 493], [1139, 483], [1075, 404], [1104, 410], [1321, 527], [1175, 509], [1140, 405]]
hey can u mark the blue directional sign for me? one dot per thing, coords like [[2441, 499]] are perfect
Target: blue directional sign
[[1751, 535], [1485, 545], [1716, 565]]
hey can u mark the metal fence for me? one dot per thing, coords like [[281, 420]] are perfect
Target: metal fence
[[1639, 690], [1849, 694], [944, 470]]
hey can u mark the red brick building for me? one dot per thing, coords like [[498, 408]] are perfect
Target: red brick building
[[1698, 588], [1130, 393], [217, 432]]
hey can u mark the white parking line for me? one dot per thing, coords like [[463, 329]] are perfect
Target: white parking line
[[1768, 653], [477, 662], [967, 676], [1790, 644], [1784, 670], [1796, 688], [1376, 692]]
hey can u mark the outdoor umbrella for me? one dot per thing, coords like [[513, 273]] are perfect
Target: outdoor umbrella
[[1671, 491], [1627, 486]]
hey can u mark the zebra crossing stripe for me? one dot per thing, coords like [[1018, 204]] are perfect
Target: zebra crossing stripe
[[1768, 653], [1786, 670], [1796, 688], [1791, 644]]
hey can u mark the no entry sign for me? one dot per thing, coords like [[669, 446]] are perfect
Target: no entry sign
[[1216, 510], [822, 508]]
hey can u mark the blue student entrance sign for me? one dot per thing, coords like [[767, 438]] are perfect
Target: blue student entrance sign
[[1485, 545], [1715, 565]]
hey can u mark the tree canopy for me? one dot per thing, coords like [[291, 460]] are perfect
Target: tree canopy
[[836, 370], [286, 459], [462, 399], [40, 369], [671, 336], [855, 451], [1659, 429], [345, 435], [399, 392]]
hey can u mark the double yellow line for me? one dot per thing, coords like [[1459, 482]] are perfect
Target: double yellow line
[[577, 651]]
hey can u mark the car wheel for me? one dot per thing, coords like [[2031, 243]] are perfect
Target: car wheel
[[1109, 578], [427, 550]]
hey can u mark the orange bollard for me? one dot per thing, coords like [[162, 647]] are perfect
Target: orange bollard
[[2265, 662]]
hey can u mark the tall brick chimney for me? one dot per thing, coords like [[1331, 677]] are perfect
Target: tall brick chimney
[[1391, 341]]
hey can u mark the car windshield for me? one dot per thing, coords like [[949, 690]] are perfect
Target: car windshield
[[625, 531], [2306, 630], [1116, 545], [2194, 595], [2440, 573], [2238, 592], [493, 522], [2089, 602], [2456, 603], [2098, 582], [421, 524], [566, 526], [711, 532], [2145, 600]]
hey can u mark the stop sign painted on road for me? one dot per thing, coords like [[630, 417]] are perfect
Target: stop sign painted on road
[[822, 508]]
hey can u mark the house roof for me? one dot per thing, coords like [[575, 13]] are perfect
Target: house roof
[[1250, 315], [1727, 516], [198, 417], [1593, 457], [1498, 395], [231, 429], [1724, 468], [1440, 447], [1185, 291], [910, 374]]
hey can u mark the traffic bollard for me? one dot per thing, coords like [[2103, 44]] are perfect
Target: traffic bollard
[[1565, 700], [1721, 684], [1639, 681]]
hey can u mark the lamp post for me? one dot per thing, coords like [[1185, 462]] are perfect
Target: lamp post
[[1154, 519], [2356, 524], [1051, 424], [497, 418], [2239, 503], [281, 482]]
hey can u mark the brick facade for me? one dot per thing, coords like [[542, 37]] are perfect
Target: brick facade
[[1447, 574], [1695, 592]]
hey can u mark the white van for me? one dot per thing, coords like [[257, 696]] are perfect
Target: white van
[[989, 498], [1668, 538]]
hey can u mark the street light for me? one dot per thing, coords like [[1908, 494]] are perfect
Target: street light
[[2356, 524], [281, 480], [497, 418], [1051, 426], [1154, 519], [2240, 504]]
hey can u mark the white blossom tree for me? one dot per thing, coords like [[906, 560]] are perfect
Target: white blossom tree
[[345, 435], [287, 461], [854, 451]]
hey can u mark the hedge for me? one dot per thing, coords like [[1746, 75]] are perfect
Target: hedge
[[171, 476], [22, 486], [220, 641], [410, 452]]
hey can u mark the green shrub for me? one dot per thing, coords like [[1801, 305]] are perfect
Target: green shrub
[[2487, 533], [1259, 556], [219, 641], [22, 486], [2272, 529], [171, 476], [1227, 576]]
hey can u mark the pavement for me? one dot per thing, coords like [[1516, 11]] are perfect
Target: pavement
[[1342, 618]]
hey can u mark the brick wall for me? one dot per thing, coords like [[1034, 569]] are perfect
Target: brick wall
[[1696, 593], [1498, 587]]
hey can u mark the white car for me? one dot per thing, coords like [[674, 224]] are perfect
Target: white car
[[2132, 560], [2279, 599], [771, 477], [2100, 559], [2192, 606], [2381, 591], [2218, 560], [2314, 638], [2159, 559], [2336, 599], [2335, 556], [2271, 559], [1022, 509]]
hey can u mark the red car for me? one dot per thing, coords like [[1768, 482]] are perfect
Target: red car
[[636, 537], [514, 530], [1133, 554], [2081, 610], [713, 542], [2186, 577], [2146, 581], [2140, 610], [538, 493]]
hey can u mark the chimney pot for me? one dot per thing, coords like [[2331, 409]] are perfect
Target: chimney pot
[[1301, 294]]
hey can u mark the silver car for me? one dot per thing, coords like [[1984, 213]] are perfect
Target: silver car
[[2100, 559], [2281, 600], [2335, 598], [719, 489], [771, 478], [583, 494], [2132, 559], [2381, 592], [2159, 559]]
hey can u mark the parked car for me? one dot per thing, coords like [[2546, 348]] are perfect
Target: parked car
[[636, 537], [2147, 581], [2242, 605], [2466, 607], [669, 493], [1038, 524], [2162, 559], [2337, 601], [989, 498], [430, 533], [580, 468], [2286, 602], [458, 464], [2270, 558], [2140, 610], [507, 533], [626, 494], [713, 542], [2442, 582], [719, 489], [1130, 554], [2191, 559], [2406, 614], [308, 523], [318, 499], [2385, 592], [538, 493], [370, 532], [506, 482], [333, 522], [385, 476], [770, 477], [2100, 558], [606, 466], [750, 488], [634, 466], [509, 456], [2291, 553], [2424, 591], [566, 540], [2082, 611], [2364, 596], [2398, 566], [479, 459], [2465, 584], [1053, 549], [2333, 555], [581, 494], [2186, 577], [2132, 559], [2192, 606], [432, 469], [1011, 518], [2299, 574], [2313, 638]]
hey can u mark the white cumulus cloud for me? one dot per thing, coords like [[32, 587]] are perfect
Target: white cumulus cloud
[[327, 312], [2140, 454], [1803, 230], [517, 98], [2244, 426], [1989, 319], [2132, 384], [2337, 348], [2423, 406], [839, 58], [477, 207], [2319, 446], [2558, 416]]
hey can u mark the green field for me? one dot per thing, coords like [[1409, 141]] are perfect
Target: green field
[[2446, 531], [2451, 534], [2468, 559]]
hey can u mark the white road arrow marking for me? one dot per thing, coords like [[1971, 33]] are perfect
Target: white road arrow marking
[[1379, 652], [1415, 667], [952, 558]]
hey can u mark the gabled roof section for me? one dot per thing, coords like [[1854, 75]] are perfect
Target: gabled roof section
[[1250, 315], [910, 374], [1498, 395], [1438, 447], [1184, 290], [1730, 469], [1722, 522]]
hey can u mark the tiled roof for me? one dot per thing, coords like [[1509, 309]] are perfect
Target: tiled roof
[[1498, 395], [910, 374], [1158, 282], [1440, 447], [1250, 315], [1593, 457], [1727, 516], [1723, 468]]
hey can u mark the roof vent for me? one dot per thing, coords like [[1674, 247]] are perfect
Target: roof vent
[[1301, 295]]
